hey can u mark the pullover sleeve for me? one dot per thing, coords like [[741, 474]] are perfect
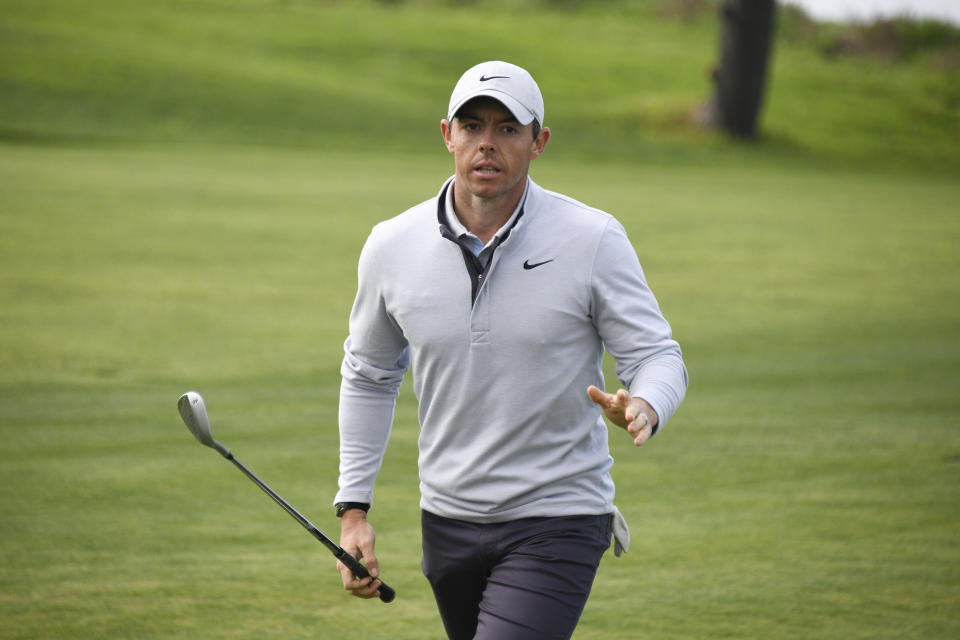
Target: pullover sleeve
[[634, 331], [375, 360]]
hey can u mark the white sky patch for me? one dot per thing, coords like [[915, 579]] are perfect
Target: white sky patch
[[866, 10]]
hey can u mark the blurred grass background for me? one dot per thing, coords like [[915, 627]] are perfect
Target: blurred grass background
[[184, 190]]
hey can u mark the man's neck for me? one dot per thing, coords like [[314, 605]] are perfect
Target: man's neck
[[483, 217]]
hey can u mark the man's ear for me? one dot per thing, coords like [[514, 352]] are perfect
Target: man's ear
[[540, 143], [446, 130]]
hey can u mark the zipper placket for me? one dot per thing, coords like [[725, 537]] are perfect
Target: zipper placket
[[475, 268]]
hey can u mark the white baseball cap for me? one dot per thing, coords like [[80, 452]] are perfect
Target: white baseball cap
[[505, 82]]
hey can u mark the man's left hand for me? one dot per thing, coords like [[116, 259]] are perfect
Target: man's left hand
[[633, 414]]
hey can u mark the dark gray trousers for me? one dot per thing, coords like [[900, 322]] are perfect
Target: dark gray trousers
[[521, 580]]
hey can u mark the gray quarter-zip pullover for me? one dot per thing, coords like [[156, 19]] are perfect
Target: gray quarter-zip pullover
[[502, 353]]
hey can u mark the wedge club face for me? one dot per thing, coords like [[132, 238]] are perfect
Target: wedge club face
[[194, 414]]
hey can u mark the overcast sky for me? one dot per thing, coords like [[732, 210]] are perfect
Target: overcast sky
[[840, 10]]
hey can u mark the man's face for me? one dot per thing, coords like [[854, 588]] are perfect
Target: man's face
[[491, 150]]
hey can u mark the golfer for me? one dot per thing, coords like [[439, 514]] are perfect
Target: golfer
[[502, 296]]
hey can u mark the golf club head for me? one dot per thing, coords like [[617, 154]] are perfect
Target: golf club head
[[194, 414]]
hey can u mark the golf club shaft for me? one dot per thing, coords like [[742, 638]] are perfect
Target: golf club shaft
[[387, 594]]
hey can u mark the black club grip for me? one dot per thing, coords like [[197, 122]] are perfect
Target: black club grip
[[387, 594]]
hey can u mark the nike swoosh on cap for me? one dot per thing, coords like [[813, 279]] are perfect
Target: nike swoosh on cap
[[528, 266], [485, 78]]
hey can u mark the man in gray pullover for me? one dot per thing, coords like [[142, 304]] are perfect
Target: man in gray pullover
[[501, 296]]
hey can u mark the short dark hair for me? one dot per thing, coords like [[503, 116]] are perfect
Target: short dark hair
[[536, 123], [536, 128]]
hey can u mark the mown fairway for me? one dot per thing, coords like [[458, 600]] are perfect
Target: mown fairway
[[807, 488]]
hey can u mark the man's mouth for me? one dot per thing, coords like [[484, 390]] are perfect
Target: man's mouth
[[488, 169]]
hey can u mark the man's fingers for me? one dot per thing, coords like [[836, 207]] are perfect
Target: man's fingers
[[636, 420], [609, 401], [597, 395], [640, 427], [345, 573], [366, 589], [360, 587], [628, 413], [641, 439]]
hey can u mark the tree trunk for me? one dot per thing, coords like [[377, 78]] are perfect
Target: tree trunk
[[741, 75]]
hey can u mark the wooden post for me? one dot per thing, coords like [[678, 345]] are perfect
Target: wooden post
[[740, 78]]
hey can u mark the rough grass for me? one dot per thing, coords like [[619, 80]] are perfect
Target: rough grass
[[619, 79]]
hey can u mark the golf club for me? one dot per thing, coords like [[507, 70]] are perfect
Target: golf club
[[194, 414]]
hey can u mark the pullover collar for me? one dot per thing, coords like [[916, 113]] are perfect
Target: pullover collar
[[449, 215], [448, 222]]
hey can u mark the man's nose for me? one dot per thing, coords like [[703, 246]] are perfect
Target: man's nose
[[487, 143]]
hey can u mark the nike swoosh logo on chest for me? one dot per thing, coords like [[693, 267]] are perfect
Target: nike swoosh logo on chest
[[527, 265]]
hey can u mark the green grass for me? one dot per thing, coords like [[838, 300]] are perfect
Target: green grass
[[616, 80], [182, 205]]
